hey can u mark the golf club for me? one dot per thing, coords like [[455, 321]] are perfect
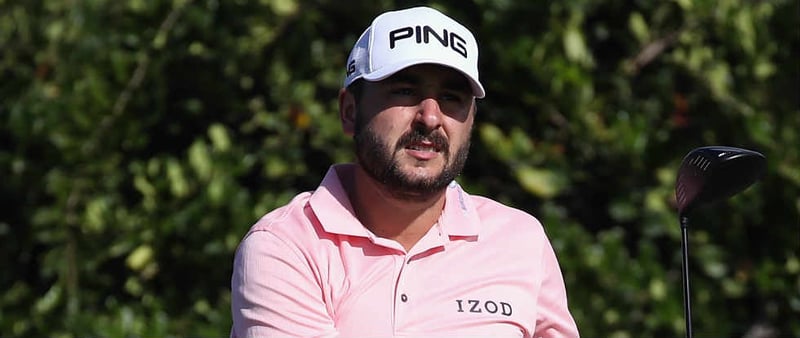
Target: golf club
[[706, 175]]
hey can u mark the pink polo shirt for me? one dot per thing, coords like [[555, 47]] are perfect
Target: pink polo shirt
[[311, 269]]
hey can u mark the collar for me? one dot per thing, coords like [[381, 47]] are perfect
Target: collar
[[335, 213]]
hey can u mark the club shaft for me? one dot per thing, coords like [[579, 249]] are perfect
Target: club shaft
[[687, 306]]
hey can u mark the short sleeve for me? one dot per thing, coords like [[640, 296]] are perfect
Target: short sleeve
[[274, 292]]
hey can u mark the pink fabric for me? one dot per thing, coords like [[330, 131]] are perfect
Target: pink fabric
[[311, 269]]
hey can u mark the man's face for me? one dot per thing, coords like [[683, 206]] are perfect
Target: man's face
[[412, 130]]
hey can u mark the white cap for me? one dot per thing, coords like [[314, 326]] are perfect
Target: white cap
[[399, 39]]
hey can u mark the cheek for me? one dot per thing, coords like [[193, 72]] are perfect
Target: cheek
[[389, 124], [461, 131]]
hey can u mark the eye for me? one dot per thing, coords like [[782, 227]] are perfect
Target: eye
[[455, 97], [404, 91]]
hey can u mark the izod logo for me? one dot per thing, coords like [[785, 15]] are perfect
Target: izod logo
[[428, 35], [481, 306]]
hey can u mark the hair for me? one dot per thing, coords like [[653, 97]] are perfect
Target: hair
[[357, 89]]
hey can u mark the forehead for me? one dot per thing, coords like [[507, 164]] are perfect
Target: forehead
[[431, 74]]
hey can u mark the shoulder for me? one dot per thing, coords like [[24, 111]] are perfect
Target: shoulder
[[286, 218], [494, 211], [286, 230], [508, 222]]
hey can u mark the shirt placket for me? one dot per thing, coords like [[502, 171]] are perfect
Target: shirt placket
[[404, 292], [400, 292]]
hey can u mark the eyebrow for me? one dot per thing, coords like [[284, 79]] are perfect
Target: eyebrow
[[457, 83], [403, 77]]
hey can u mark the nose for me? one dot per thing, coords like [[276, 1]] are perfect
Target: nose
[[429, 114]]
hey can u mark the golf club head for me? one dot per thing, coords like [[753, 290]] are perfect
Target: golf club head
[[712, 173]]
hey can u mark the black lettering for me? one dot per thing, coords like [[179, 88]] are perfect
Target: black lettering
[[422, 34], [351, 68], [490, 306], [478, 306], [399, 34], [458, 44], [460, 309], [506, 308], [428, 31], [475, 304]]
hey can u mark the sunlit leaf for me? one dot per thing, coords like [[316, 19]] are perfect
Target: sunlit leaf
[[50, 299], [140, 257], [219, 137], [638, 26], [200, 160], [540, 182], [177, 180]]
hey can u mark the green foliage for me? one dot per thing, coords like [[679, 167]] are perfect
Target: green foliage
[[141, 139]]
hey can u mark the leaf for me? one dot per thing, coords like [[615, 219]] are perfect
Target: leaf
[[220, 139], [540, 182], [177, 181], [50, 299], [638, 27], [657, 289], [140, 257], [283, 7], [143, 186], [200, 160], [575, 47], [491, 134], [96, 210]]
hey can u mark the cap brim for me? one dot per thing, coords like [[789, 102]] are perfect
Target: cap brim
[[389, 70]]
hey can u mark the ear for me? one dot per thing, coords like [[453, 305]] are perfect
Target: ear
[[347, 111]]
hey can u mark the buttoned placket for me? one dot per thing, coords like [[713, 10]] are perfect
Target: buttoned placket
[[404, 266], [400, 296]]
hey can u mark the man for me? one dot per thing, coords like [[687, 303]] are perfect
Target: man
[[391, 245]]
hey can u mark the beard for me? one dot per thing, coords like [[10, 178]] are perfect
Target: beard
[[378, 159]]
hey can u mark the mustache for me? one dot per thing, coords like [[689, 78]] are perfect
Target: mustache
[[417, 136]]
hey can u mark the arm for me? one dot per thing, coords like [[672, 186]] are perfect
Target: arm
[[554, 318], [274, 291]]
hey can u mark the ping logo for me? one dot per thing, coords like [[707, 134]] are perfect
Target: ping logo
[[426, 34], [478, 306], [351, 67]]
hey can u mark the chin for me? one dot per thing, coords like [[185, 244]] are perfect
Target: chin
[[424, 172]]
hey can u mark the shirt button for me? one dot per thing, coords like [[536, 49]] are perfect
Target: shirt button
[[404, 298]]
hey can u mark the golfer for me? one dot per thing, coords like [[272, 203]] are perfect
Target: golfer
[[391, 245]]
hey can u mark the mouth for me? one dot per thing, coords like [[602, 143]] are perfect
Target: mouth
[[424, 150], [426, 146]]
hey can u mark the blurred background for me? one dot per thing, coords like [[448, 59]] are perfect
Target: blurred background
[[140, 139]]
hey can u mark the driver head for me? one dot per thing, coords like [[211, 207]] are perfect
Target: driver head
[[711, 173]]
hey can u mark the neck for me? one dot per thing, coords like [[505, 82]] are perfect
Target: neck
[[409, 219]]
